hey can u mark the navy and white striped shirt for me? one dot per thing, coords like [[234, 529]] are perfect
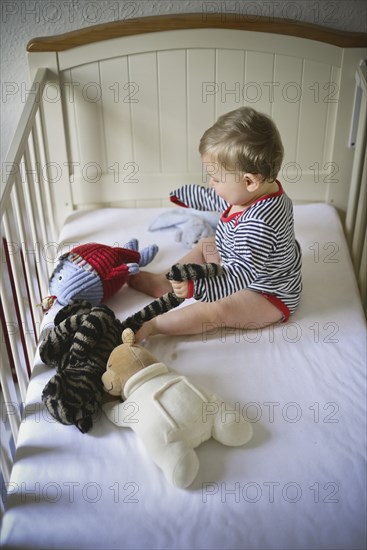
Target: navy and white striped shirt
[[257, 246]]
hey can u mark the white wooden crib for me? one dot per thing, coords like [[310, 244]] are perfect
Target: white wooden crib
[[112, 125]]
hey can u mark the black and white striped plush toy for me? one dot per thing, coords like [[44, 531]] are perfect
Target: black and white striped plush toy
[[78, 346], [178, 272]]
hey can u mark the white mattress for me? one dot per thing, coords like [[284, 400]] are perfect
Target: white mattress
[[299, 484]]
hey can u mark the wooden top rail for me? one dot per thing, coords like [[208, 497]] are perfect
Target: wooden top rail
[[129, 27]]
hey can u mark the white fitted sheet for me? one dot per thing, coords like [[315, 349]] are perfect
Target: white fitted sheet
[[299, 484]]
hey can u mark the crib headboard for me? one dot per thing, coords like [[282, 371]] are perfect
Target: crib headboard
[[126, 103]]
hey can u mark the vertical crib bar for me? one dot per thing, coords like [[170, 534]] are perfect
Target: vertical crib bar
[[356, 218], [14, 321], [10, 415], [362, 274], [10, 398], [9, 394], [358, 163], [44, 185], [25, 258], [21, 316], [5, 454], [29, 184], [44, 275], [359, 234], [20, 368]]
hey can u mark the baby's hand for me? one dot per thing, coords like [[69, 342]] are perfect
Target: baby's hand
[[180, 288]]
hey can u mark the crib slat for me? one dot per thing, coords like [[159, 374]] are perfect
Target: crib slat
[[116, 114], [5, 455], [362, 275], [10, 411], [359, 233], [143, 70], [22, 319], [359, 160], [25, 259], [200, 64], [29, 184], [44, 185], [35, 153], [9, 407], [40, 212], [172, 106], [20, 369]]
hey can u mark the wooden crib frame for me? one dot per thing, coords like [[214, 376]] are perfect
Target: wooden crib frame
[[88, 138]]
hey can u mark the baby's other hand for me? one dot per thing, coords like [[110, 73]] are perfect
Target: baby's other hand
[[180, 288]]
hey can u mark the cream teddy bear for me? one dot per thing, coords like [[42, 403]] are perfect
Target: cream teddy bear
[[171, 415]]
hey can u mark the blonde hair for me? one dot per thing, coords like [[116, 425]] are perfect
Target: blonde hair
[[244, 141]]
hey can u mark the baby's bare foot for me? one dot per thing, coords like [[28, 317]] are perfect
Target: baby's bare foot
[[148, 329], [152, 284]]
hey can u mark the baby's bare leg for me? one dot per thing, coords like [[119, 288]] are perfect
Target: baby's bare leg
[[156, 284], [243, 310], [204, 252], [152, 284]]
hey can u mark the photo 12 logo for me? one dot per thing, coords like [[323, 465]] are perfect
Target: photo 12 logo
[[273, 411], [68, 11], [272, 492], [73, 491], [253, 92], [70, 92], [320, 12]]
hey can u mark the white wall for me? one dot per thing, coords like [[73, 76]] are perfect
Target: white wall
[[22, 20]]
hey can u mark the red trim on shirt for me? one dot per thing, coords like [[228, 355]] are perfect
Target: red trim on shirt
[[190, 289], [226, 218], [278, 304], [177, 201]]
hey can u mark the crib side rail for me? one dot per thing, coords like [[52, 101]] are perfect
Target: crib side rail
[[27, 233], [356, 216]]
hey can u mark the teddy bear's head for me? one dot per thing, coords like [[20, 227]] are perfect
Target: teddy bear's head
[[124, 361]]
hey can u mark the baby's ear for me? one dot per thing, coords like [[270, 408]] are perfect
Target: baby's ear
[[128, 336], [252, 181]]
